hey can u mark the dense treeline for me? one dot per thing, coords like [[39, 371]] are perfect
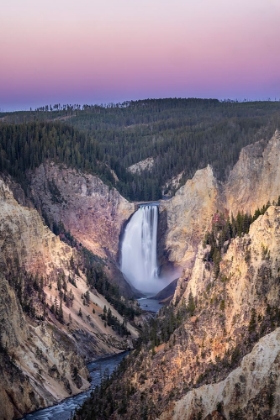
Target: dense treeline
[[181, 135], [26, 146]]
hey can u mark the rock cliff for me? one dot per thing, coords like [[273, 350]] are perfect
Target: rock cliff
[[220, 319], [85, 207], [89, 209], [253, 181], [235, 309], [50, 322], [247, 392], [188, 215], [222, 362], [25, 241]]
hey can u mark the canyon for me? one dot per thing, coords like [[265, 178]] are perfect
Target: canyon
[[225, 346], [219, 355], [44, 359]]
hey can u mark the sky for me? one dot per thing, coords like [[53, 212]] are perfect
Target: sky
[[89, 51]]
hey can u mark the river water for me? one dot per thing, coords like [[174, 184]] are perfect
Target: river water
[[149, 304], [65, 408], [97, 369]]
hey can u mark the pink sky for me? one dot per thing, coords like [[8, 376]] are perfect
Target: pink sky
[[91, 51]]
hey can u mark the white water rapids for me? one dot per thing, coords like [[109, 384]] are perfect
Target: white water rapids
[[139, 251]]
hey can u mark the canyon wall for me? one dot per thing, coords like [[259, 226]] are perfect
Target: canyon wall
[[248, 392], [44, 359], [232, 312], [91, 211], [48, 331], [222, 359], [26, 241], [253, 181], [188, 214], [246, 299]]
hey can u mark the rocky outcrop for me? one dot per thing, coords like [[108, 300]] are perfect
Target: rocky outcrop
[[15, 388], [239, 307], [143, 165], [48, 329], [25, 241], [91, 211], [171, 185], [254, 180], [29, 351], [188, 215], [248, 392], [234, 310]]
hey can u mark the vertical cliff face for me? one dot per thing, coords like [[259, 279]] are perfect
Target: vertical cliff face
[[28, 351], [88, 208], [189, 213], [25, 241], [37, 359], [47, 328], [255, 179], [233, 311], [16, 392]]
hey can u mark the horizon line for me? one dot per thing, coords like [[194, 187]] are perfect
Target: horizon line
[[111, 104]]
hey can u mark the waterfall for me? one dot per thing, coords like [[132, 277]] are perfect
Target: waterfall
[[139, 250]]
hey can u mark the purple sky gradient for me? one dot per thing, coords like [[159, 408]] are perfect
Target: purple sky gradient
[[110, 51]]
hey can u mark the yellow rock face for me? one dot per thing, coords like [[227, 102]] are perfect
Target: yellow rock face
[[188, 215], [244, 285], [38, 355], [254, 180]]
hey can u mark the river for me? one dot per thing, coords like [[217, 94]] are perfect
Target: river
[[65, 408], [149, 304]]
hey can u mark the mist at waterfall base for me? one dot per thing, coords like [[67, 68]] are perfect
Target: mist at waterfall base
[[139, 252]]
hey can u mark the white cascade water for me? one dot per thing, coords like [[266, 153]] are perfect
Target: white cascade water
[[139, 250]]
